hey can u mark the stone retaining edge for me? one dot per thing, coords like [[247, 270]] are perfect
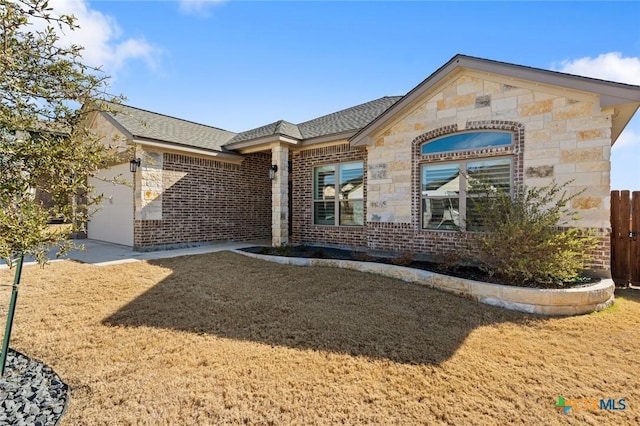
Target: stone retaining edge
[[553, 302]]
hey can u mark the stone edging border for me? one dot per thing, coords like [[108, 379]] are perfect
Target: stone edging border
[[555, 302]]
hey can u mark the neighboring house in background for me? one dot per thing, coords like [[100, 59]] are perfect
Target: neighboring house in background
[[389, 174]]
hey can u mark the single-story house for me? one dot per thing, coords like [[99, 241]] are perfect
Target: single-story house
[[387, 174]]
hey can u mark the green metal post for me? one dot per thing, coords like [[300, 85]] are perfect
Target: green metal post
[[12, 310]]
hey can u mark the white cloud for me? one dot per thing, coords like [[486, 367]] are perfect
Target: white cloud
[[626, 151], [607, 66], [101, 38], [198, 7]]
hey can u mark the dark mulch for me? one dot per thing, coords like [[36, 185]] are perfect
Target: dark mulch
[[456, 270]]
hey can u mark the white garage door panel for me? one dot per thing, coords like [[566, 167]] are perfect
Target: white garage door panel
[[113, 221]]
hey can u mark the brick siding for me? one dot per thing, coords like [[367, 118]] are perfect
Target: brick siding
[[213, 201], [304, 231], [600, 257], [401, 237]]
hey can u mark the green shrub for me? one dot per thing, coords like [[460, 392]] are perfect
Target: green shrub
[[522, 238], [448, 262]]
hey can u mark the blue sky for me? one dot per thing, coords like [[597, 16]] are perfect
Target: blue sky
[[242, 64]]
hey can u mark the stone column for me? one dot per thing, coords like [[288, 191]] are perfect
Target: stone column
[[280, 196], [148, 186]]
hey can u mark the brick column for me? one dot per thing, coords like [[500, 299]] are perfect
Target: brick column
[[280, 196]]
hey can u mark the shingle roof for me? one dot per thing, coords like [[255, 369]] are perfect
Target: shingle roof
[[146, 124], [281, 127], [288, 129], [353, 118], [364, 117]]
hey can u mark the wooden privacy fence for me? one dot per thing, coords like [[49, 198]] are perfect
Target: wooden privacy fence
[[625, 237]]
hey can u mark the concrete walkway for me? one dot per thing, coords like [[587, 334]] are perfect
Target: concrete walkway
[[100, 253]]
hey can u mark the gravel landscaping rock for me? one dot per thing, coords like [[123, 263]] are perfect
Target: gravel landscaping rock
[[31, 393]]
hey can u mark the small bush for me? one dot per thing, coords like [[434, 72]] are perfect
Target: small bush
[[523, 240], [362, 256], [319, 253], [403, 259], [448, 262]]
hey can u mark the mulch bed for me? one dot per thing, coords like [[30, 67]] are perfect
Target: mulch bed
[[455, 270]]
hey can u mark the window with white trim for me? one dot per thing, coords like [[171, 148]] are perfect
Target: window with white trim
[[447, 198], [338, 194]]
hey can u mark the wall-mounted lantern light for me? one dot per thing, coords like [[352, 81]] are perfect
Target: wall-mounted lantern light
[[134, 164], [272, 171]]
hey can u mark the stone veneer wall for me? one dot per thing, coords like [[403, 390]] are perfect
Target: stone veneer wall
[[304, 231], [206, 200], [151, 180], [560, 134], [280, 196], [110, 134]]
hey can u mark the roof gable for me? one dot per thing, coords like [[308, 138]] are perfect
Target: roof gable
[[624, 96], [277, 128]]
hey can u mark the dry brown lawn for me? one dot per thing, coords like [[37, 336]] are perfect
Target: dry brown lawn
[[225, 339]]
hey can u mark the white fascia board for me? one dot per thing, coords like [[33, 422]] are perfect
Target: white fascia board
[[219, 155], [265, 140]]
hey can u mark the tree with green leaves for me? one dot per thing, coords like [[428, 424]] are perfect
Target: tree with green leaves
[[47, 94]]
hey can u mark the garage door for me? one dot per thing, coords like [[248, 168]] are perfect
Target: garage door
[[113, 220]]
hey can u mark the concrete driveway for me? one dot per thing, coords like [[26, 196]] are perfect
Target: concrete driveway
[[101, 253]]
